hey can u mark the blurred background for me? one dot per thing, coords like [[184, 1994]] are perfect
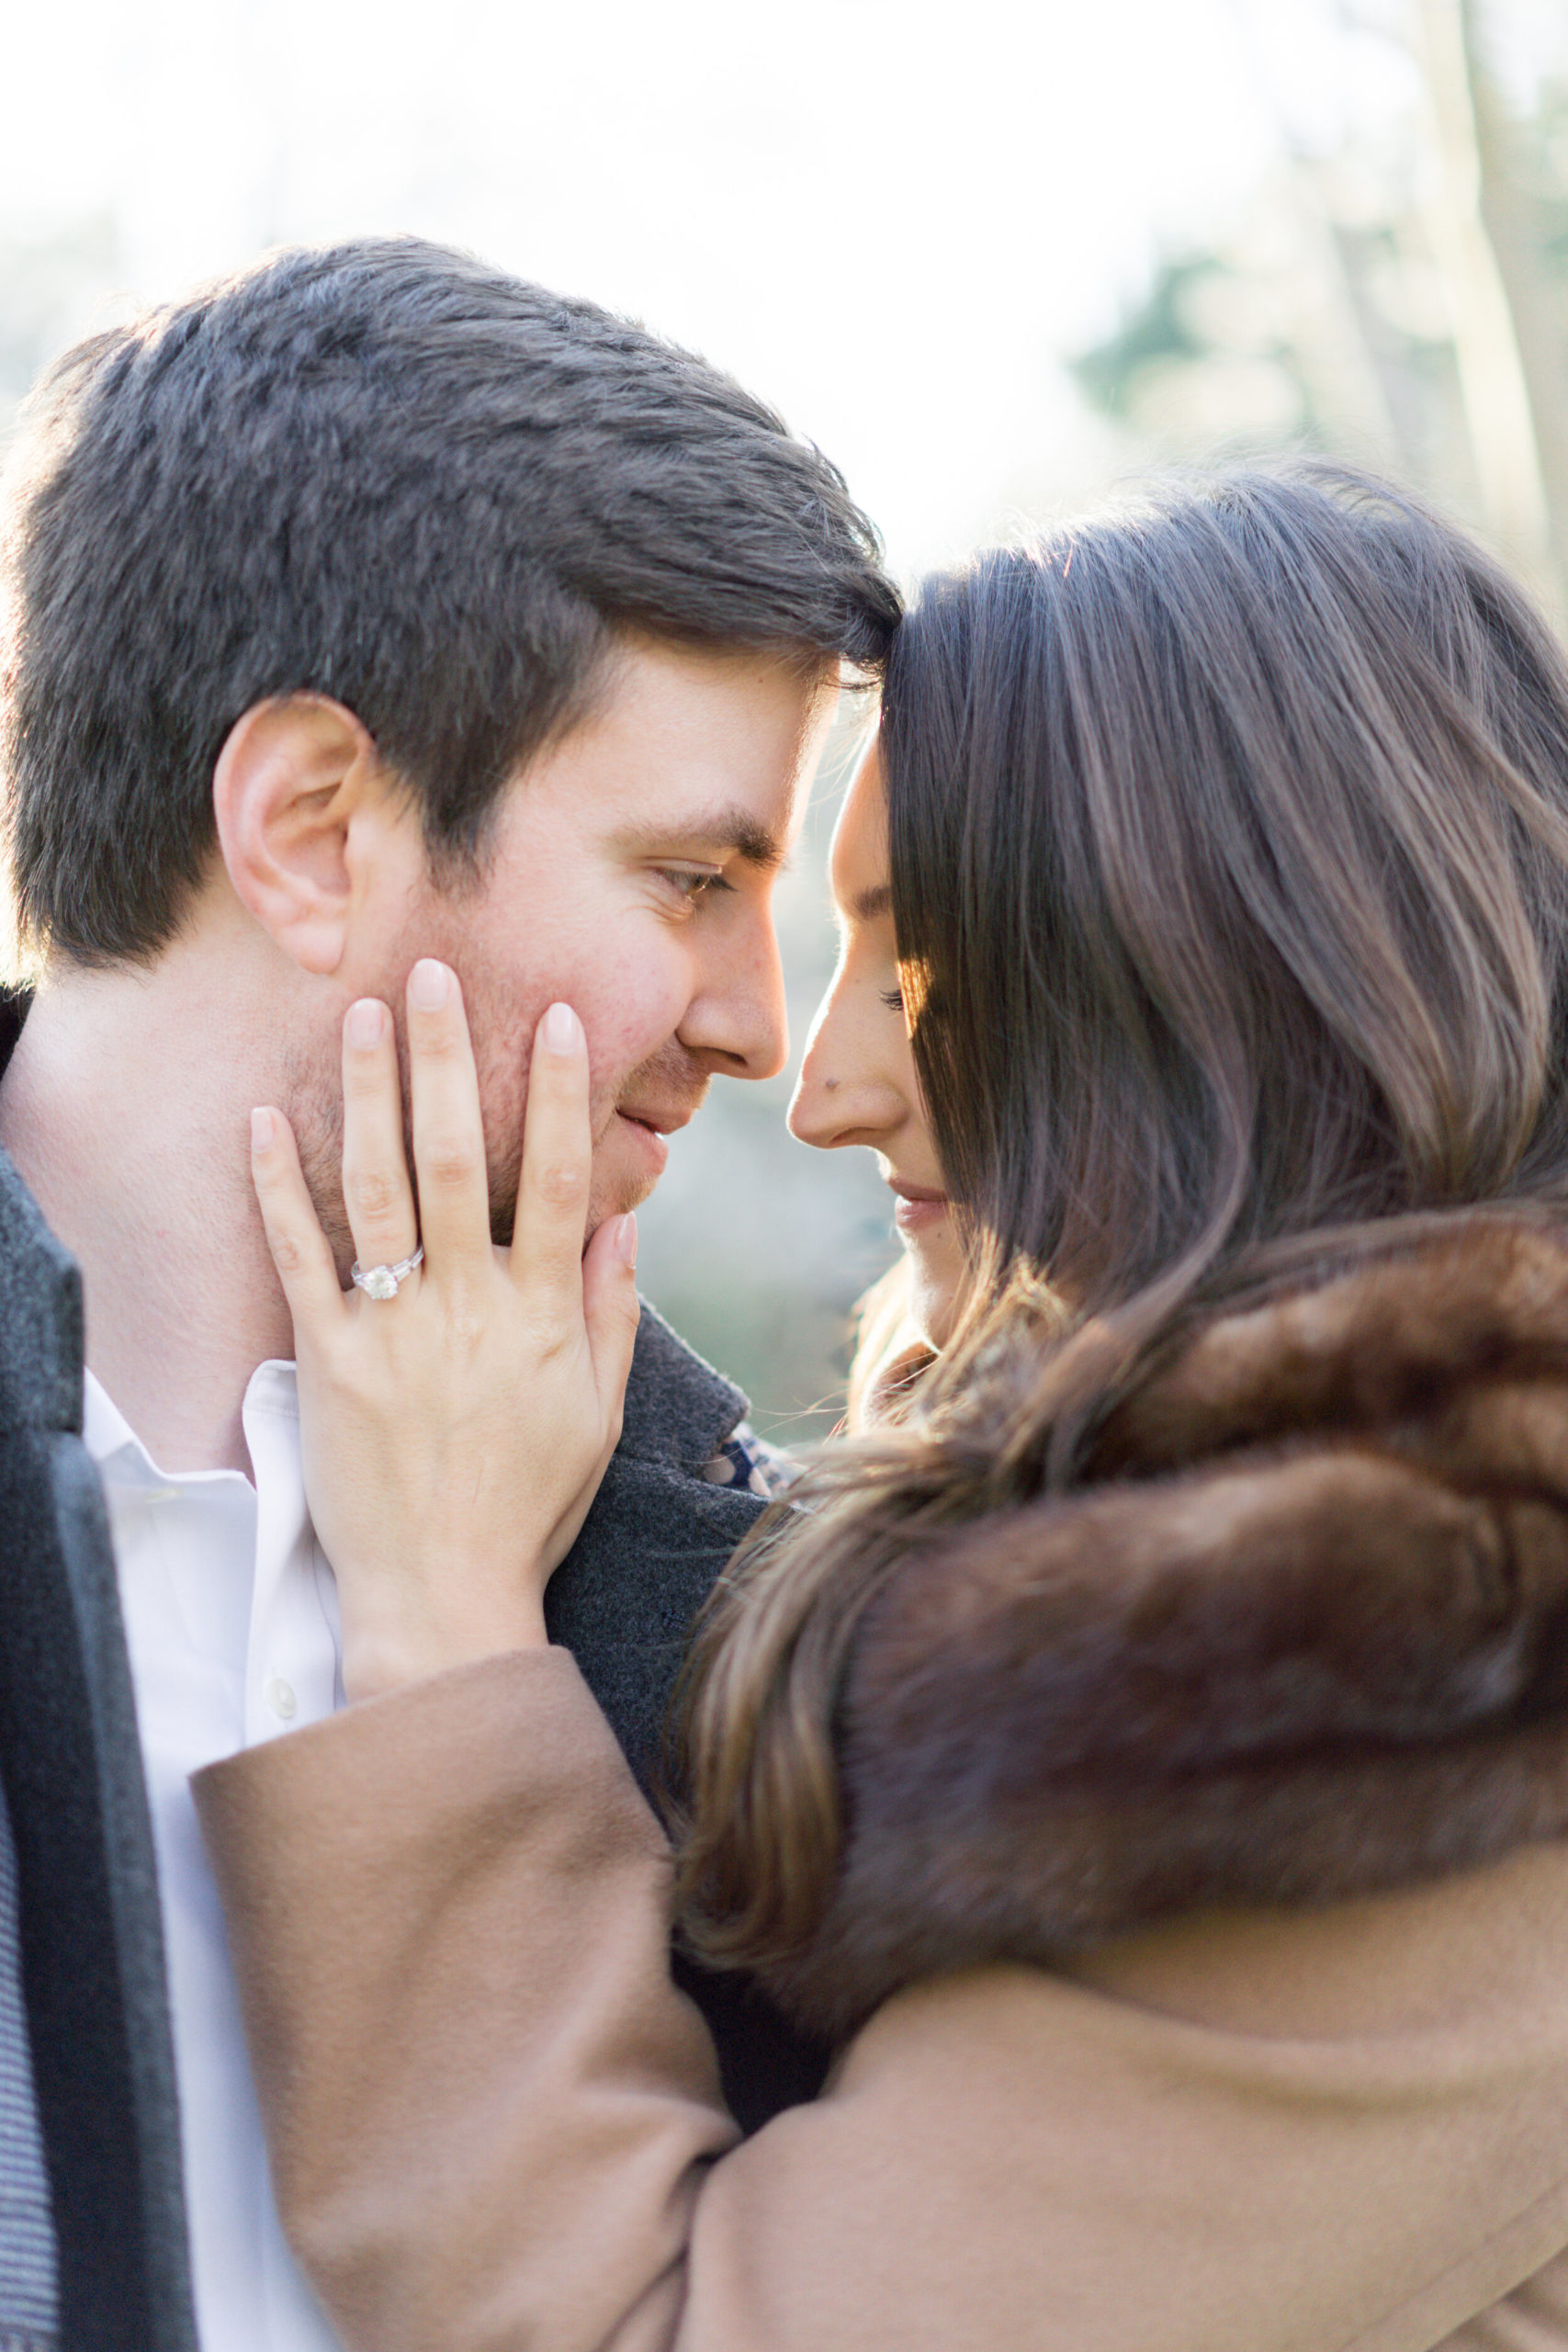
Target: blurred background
[[994, 259]]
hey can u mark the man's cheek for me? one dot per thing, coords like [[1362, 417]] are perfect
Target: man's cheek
[[628, 1012]]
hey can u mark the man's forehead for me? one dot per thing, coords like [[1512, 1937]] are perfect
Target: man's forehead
[[703, 745]]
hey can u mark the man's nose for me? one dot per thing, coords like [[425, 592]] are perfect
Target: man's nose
[[739, 1019]]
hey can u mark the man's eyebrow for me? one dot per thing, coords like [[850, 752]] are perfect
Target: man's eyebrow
[[733, 831]]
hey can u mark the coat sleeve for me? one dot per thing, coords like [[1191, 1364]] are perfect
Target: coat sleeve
[[495, 2125]]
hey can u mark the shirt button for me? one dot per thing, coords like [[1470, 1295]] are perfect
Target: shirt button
[[280, 1698]]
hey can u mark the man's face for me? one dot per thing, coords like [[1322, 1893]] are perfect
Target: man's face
[[630, 872]]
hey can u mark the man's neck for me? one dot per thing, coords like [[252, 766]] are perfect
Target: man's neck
[[126, 1109]]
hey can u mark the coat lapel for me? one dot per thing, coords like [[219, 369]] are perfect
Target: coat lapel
[[92, 1936], [625, 1598], [626, 1601]]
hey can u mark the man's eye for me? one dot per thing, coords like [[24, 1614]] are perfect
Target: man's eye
[[690, 884]]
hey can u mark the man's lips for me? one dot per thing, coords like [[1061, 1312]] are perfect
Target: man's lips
[[647, 1125], [663, 1123], [920, 1206]]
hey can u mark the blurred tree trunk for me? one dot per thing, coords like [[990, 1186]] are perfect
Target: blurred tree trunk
[[1347, 380], [1506, 353], [1540, 308]]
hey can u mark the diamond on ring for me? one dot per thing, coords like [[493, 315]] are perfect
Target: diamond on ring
[[381, 1281]]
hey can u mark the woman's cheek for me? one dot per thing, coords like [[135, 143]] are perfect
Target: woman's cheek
[[937, 1272]]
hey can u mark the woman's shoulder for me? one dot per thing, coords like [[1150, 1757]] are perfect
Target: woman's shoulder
[[1300, 1639], [1344, 2128]]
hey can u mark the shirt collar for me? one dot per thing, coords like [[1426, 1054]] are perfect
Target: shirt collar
[[106, 1432], [116, 1449]]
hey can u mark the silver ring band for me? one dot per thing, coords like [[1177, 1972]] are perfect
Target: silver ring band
[[381, 1281]]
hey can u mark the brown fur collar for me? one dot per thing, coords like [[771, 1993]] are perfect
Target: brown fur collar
[[1305, 1636]]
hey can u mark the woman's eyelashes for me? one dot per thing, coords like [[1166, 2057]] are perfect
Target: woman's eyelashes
[[893, 998]]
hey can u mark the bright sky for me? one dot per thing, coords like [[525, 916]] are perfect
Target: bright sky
[[891, 217]]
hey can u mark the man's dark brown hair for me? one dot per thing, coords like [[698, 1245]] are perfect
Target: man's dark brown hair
[[385, 473]]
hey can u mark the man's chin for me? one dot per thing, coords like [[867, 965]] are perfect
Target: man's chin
[[612, 1193], [629, 1157], [615, 1195]]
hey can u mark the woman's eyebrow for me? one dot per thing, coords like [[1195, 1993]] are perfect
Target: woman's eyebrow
[[868, 906]]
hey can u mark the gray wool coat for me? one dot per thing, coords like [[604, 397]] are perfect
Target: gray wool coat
[[87, 2084]]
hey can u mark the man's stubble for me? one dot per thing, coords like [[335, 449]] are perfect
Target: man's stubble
[[313, 1100]]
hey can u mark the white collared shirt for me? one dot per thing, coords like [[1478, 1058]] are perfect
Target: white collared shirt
[[231, 1618]]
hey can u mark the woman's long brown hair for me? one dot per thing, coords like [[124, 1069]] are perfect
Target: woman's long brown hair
[[1229, 842]]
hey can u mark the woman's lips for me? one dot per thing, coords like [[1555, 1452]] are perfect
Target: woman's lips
[[919, 1208]]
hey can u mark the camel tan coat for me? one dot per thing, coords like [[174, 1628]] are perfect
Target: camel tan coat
[[495, 2125], [1300, 1635]]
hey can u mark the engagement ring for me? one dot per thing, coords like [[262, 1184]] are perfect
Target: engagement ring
[[381, 1281]]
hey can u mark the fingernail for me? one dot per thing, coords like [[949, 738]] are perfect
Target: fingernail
[[625, 1241], [363, 1023], [430, 984], [560, 1030], [261, 1130]]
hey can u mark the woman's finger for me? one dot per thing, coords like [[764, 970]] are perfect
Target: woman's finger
[[612, 1311], [375, 1188], [299, 1251], [557, 1153], [449, 1130]]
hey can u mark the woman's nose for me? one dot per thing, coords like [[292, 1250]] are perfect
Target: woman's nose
[[840, 1096]]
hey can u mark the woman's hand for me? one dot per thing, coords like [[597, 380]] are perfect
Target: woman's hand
[[455, 1434]]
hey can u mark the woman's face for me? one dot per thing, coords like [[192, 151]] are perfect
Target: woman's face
[[857, 1083]]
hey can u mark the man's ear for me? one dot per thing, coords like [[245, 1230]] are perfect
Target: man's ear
[[301, 798]]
